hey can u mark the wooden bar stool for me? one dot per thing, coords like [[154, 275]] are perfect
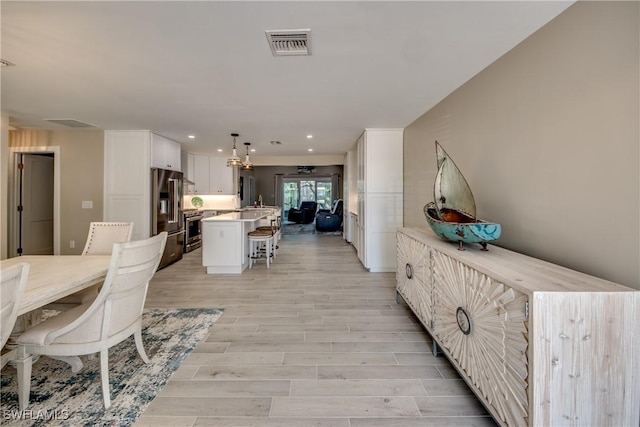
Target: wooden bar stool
[[260, 245], [276, 224]]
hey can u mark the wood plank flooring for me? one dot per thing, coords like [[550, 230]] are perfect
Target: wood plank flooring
[[316, 340]]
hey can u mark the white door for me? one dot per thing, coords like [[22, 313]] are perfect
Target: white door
[[37, 204]]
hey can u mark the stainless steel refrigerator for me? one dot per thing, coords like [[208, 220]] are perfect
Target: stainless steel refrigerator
[[166, 212]]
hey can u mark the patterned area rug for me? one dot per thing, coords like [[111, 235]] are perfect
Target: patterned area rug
[[293, 228], [60, 397]]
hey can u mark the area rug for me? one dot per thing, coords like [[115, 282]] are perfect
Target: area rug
[[293, 228], [60, 397]]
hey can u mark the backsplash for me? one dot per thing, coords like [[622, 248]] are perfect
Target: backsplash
[[212, 201]]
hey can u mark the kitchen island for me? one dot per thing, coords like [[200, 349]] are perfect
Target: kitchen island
[[225, 244]]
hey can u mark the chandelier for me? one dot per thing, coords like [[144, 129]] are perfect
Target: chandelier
[[247, 165], [234, 161]]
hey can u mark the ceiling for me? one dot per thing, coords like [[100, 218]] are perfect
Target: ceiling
[[204, 68]]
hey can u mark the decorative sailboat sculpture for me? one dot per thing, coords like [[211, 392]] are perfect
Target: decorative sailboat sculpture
[[453, 215]]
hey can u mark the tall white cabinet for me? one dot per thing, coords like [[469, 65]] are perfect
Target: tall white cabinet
[[128, 159], [380, 197]]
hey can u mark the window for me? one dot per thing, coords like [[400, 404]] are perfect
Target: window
[[297, 190]]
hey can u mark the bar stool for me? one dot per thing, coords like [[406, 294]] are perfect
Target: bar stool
[[276, 224], [260, 243]]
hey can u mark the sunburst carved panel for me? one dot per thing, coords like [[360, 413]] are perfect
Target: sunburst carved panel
[[482, 324], [413, 277]]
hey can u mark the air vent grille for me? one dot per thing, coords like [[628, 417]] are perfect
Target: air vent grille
[[70, 123], [289, 42]]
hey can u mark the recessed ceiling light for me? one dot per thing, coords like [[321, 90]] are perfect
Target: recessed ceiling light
[[192, 136], [309, 136], [253, 150], [219, 150], [310, 149]]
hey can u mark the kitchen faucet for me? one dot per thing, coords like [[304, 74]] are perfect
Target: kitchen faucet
[[260, 199]]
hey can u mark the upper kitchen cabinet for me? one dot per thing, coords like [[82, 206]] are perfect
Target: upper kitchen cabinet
[[201, 174], [210, 174], [188, 169], [221, 177], [165, 153]]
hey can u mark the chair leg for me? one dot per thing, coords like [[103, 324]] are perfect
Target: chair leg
[[23, 364], [104, 376], [137, 335], [268, 250]]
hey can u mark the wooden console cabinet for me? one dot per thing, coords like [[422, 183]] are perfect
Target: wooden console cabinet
[[539, 344]]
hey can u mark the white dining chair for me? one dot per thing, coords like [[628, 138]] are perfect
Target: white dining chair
[[100, 241], [113, 316], [13, 282], [102, 236]]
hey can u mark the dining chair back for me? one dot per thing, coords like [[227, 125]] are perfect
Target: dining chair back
[[102, 236], [113, 316], [13, 282], [100, 241]]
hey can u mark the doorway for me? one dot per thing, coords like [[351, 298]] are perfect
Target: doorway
[[34, 187]]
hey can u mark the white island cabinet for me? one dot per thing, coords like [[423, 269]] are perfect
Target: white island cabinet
[[225, 244]]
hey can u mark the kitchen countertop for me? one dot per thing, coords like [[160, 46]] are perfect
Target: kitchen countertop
[[245, 215]]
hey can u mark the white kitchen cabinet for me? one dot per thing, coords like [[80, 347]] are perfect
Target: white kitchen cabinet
[[201, 174], [539, 344], [188, 169], [128, 159], [211, 176], [127, 180], [165, 153], [380, 196], [221, 177]]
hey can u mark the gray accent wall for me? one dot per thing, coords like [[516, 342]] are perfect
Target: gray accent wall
[[265, 178]]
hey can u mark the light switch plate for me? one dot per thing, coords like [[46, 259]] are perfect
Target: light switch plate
[[87, 204]]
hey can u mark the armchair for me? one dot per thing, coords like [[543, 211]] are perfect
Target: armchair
[[13, 282], [330, 220], [113, 316], [305, 214], [100, 240]]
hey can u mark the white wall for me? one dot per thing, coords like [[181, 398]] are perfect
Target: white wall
[[548, 139]]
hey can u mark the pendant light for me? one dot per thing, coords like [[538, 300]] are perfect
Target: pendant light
[[234, 161], [247, 165]]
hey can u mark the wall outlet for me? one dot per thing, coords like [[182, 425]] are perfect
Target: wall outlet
[[72, 244]]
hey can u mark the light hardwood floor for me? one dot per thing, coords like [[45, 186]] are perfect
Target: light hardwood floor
[[314, 341]]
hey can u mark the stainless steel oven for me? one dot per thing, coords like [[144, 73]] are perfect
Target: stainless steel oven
[[193, 230]]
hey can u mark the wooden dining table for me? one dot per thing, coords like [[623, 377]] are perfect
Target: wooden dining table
[[52, 277]]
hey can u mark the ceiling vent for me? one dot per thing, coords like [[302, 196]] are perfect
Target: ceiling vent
[[5, 63], [289, 42], [275, 142], [70, 123]]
